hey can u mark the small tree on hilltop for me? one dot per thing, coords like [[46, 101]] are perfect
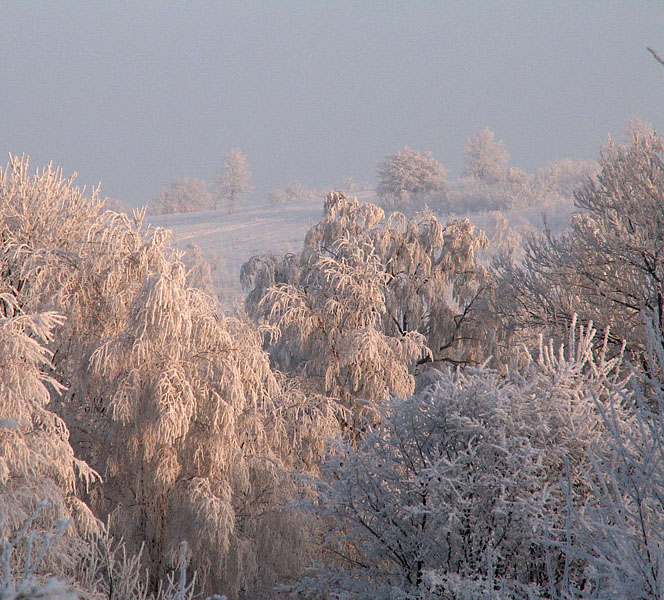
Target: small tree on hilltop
[[233, 181], [485, 157], [409, 173]]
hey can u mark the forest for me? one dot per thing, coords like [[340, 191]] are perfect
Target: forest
[[432, 398]]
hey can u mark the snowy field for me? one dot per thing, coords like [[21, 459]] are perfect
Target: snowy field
[[229, 240], [254, 228]]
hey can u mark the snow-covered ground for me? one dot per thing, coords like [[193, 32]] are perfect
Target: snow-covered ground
[[228, 241], [254, 228]]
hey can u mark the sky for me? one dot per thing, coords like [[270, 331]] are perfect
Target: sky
[[136, 94]]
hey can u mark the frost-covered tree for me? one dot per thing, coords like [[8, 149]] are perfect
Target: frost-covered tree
[[617, 534], [565, 177], [369, 297], [39, 473], [407, 175], [185, 194], [233, 180], [451, 496], [609, 266], [637, 128], [485, 158], [173, 403]]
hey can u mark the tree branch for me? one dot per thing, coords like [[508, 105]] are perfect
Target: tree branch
[[658, 58]]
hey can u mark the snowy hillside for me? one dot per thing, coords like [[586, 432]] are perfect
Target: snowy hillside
[[228, 240]]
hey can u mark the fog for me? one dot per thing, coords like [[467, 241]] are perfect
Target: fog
[[137, 94]]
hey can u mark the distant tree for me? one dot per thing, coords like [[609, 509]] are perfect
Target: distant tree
[[485, 157], [183, 195], [636, 127], [233, 181], [350, 184], [565, 177], [408, 174], [291, 192]]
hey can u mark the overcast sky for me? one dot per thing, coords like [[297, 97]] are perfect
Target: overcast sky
[[136, 94]]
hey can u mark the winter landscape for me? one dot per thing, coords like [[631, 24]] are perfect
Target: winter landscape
[[402, 368]]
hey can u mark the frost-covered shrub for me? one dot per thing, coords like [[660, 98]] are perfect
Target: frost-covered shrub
[[97, 568], [185, 194], [618, 533], [291, 192], [451, 496], [27, 563]]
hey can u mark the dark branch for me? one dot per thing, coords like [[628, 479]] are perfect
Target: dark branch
[[658, 58]]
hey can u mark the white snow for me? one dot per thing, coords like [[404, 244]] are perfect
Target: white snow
[[254, 228]]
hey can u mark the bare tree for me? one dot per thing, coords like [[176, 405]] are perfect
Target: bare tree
[[233, 181]]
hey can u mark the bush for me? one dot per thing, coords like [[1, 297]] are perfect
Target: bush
[[292, 192], [183, 195]]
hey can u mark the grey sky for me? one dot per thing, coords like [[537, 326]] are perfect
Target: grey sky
[[135, 94]]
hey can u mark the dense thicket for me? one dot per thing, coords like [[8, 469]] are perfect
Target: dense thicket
[[457, 491]]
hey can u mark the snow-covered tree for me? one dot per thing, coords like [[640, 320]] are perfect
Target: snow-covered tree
[[451, 496], [609, 266], [233, 180], [185, 194], [175, 404], [407, 175], [39, 473], [565, 177], [369, 297], [617, 535], [637, 128], [485, 158]]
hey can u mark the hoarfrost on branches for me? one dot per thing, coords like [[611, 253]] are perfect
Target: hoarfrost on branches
[[485, 157], [174, 403], [369, 298], [409, 175]]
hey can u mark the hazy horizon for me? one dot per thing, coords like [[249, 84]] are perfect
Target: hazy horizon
[[136, 95]]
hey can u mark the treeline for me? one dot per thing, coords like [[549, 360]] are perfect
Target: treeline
[[390, 416]]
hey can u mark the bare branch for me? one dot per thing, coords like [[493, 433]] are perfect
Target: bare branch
[[658, 58]]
